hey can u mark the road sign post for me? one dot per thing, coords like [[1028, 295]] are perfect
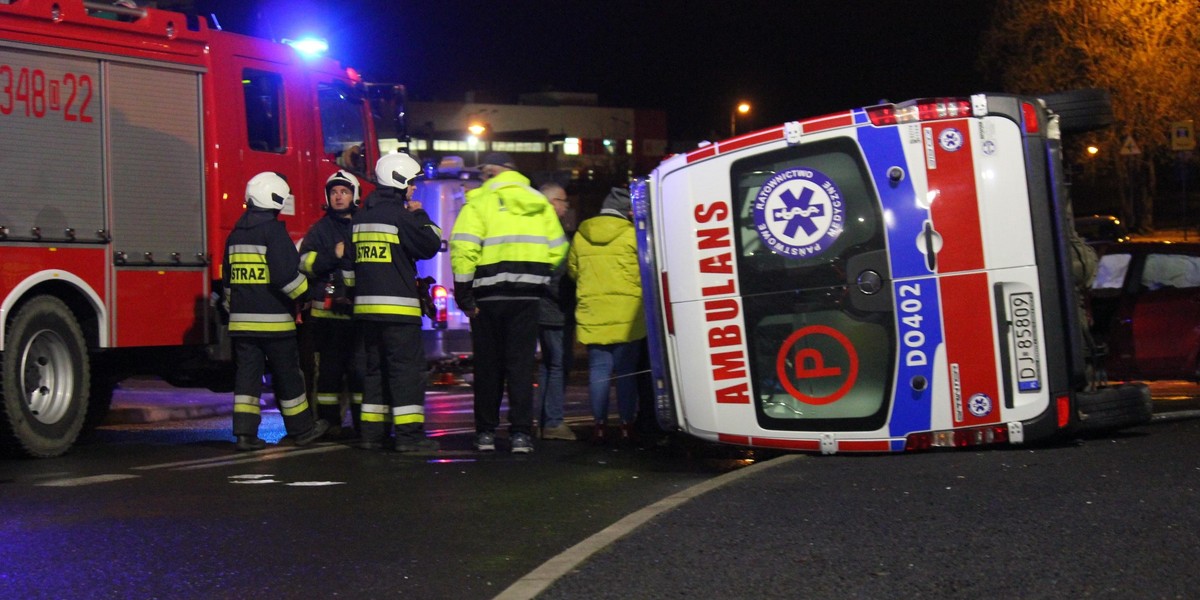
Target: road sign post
[[1183, 141]]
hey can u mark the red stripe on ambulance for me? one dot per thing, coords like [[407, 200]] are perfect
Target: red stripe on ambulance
[[952, 195], [752, 139], [827, 122], [970, 349]]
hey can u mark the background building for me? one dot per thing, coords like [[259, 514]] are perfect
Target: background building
[[561, 136]]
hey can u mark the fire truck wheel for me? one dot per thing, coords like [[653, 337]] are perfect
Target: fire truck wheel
[[44, 379]]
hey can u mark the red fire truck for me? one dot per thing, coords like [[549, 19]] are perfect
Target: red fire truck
[[128, 137], [889, 278]]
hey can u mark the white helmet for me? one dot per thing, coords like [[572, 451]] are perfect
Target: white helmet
[[396, 170], [341, 178], [268, 190]]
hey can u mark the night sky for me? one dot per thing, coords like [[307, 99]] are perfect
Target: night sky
[[695, 60]]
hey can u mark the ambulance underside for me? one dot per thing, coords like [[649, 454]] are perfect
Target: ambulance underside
[[854, 283]]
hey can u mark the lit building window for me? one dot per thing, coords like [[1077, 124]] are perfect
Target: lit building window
[[628, 146], [571, 146], [518, 146]]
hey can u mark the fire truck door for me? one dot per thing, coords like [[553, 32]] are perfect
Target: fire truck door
[[156, 182]]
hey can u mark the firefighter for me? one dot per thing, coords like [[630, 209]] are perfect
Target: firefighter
[[262, 284], [326, 255], [390, 234], [505, 245]]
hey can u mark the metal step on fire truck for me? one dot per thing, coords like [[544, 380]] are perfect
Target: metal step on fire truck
[[128, 137], [890, 278]]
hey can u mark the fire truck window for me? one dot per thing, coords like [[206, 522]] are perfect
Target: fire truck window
[[263, 93], [343, 127]]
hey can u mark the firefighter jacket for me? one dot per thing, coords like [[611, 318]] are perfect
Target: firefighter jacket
[[326, 272], [262, 276], [506, 242], [388, 240], [603, 261]]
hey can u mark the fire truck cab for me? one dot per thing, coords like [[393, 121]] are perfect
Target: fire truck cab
[[127, 145], [889, 278]]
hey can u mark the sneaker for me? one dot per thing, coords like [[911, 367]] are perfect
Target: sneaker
[[249, 443], [521, 444], [599, 432], [485, 441], [418, 445], [318, 429], [558, 432]]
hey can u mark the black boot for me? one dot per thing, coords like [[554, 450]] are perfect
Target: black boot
[[248, 443], [318, 430]]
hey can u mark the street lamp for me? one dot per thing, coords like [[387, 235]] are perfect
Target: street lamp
[[741, 109]]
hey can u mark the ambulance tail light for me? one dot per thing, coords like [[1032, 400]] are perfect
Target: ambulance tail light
[[927, 109], [1030, 118], [957, 438], [440, 301], [1062, 404], [670, 312]]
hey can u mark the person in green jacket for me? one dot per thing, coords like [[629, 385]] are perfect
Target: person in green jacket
[[504, 247], [603, 261]]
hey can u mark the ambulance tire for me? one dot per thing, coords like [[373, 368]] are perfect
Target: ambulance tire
[[45, 352], [1113, 408], [1081, 110]]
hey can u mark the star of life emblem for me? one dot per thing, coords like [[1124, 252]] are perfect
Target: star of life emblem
[[799, 213], [950, 139], [980, 405]]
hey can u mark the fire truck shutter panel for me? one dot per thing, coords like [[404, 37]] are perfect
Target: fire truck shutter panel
[[50, 149], [156, 166]]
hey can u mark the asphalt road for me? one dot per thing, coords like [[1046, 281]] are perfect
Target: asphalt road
[[166, 510]]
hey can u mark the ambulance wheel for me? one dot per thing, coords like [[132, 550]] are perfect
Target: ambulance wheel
[[1113, 408], [44, 380], [1081, 110]]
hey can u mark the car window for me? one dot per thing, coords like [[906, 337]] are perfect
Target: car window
[[1171, 270], [1111, 272]]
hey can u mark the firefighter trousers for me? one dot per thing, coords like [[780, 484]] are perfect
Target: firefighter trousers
[[253, 355], [504, 337], [393, 382], [338, 350]]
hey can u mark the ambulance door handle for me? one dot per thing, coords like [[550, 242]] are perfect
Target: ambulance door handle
[[929, 242]]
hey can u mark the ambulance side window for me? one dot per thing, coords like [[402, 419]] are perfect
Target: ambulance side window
[[343, 128], [263, 94]]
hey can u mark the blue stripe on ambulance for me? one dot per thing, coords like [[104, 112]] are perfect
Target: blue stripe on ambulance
[[915, 299]]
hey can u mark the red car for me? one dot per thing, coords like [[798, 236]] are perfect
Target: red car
[[1146, 308]]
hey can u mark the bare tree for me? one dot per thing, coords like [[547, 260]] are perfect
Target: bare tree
[[1145, 52]]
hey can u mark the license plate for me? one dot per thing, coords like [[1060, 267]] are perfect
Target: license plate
[[1027, 355]]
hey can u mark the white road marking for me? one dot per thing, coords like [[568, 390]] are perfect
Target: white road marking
[[540, 578], [75, 481]]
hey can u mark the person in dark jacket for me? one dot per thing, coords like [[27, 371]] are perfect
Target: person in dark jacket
[[326, 255], [556, 334], [391, 233], [262, 284]]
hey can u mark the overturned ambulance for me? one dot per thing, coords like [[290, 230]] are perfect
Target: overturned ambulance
[[889, 278]]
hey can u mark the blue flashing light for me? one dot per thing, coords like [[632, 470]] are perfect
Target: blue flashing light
[[309, 47]]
